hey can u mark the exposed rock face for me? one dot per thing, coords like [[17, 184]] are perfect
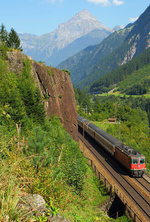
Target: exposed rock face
[[56, 85], [56, 89], [129, 55], [139, 37]]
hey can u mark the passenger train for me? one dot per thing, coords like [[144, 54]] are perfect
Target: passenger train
[[132, 160]]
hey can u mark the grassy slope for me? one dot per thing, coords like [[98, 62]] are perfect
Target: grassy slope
[[139, 77], [118, 94], [135, 78], [120, 74], [17, 179]]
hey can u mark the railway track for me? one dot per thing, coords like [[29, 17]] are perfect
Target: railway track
[[141, 185], [144, 183], [136, 190]]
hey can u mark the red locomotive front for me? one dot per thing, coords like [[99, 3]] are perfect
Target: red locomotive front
[[132, 160], [137, 165]]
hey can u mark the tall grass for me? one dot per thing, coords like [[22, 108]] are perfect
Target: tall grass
[[9, 191]]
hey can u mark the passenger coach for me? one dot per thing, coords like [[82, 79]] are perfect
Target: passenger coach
[[132, 160]]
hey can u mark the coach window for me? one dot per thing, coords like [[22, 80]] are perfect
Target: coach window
[[135, 161], [142, 161]]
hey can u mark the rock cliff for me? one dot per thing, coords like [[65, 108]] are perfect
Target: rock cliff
[[56, 89]]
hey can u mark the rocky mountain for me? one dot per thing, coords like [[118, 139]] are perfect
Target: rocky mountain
[[80, 31], [117, 27], [139, 38], [117, 49]]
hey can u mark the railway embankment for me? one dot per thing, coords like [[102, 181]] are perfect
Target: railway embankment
[[134, 194]]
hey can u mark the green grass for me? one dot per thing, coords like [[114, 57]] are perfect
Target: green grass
[[135, 78], [91, 198], [49, 71], [17, 179], [119, 94]]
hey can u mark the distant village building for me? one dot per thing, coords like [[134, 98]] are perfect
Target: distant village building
[[112, 120]]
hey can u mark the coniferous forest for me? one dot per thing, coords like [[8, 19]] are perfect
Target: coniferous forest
[[138, 68]]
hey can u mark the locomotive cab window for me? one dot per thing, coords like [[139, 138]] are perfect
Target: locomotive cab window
[[142, 161], [134, 161]]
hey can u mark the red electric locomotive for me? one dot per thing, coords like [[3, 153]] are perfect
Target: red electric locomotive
[[132, 160]]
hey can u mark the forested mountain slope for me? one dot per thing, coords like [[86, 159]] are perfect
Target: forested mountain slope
[[133, 42], [83, 62], [109, 81], [138, 83]]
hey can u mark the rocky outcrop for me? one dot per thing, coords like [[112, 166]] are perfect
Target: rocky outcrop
[[56, 89], [57, 218], [139, 37], [34, 206]]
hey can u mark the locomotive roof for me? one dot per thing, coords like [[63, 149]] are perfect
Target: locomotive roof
[[107, 136], [126, 149], [129, 150]]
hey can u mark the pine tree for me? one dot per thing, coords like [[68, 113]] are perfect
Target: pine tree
[[13, 40], [3, 34]]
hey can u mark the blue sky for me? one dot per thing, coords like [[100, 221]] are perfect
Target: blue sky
[[43, 16]]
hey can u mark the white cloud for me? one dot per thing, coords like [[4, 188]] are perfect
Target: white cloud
[[133, 19], [117, 2], [107, 2]]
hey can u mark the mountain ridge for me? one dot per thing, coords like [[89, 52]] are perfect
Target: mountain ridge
[[83, 62], [134, 40], [45, 47]]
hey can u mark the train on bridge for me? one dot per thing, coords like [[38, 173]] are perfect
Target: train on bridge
[[129, 158]]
